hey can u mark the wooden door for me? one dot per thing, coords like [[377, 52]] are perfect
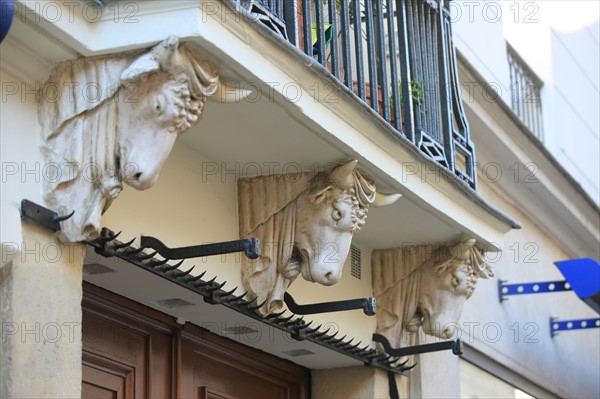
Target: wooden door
[[131, 351]]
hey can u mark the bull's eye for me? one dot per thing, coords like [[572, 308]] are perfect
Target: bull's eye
[[336, 214], [158, 104]]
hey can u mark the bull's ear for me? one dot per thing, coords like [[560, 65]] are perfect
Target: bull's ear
[[318, 197], [482, 268], [342, 175], [142, 65], [152, 61], [461, 250]]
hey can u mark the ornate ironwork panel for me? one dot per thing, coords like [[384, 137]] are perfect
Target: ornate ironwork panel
[[387, 51]]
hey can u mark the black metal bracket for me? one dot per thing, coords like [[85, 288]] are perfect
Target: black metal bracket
[[455, 345], [250, 247], [42, 216], [368, 306]]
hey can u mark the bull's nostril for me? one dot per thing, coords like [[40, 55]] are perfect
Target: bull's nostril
[[137, 176], [328, 275]]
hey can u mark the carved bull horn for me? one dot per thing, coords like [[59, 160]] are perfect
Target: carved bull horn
[[152, 61], [228, 94], [385, 199], [341, 176], [461, 250]]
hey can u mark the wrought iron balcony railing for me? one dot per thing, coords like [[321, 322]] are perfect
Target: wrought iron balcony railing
[[525, 93], [387, 51]]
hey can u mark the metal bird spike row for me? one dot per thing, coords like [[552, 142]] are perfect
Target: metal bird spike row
[[213, 293]]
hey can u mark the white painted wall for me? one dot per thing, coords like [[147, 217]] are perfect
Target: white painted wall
[[516, 332], [477, 29], [22, 167], [576, 92]]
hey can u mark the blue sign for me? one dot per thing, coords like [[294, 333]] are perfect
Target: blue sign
[[584, 277], [7, 10]]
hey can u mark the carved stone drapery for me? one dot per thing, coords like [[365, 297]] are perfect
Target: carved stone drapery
[[305, 223], [113, 119], [424, 286]]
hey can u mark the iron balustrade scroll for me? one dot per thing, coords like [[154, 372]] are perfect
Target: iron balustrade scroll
[[387, 51]]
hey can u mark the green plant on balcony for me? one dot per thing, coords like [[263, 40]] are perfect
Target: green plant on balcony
[[417, 93]]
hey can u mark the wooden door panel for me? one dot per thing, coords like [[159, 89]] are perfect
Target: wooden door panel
[[115, 350], [101, 391], [119, 342], [104, 377], [207, 393], [100, 383]]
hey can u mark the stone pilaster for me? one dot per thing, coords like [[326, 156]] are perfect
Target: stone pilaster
[[40, 315]]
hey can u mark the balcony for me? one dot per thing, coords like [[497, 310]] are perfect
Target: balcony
[[386, 51], [525, 93]]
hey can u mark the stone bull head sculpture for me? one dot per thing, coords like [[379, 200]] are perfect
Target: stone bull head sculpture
[[425, 286], [446, 286], [305, 223], [121, 131]]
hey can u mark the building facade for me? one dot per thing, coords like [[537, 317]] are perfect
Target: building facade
[[204, 122]]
